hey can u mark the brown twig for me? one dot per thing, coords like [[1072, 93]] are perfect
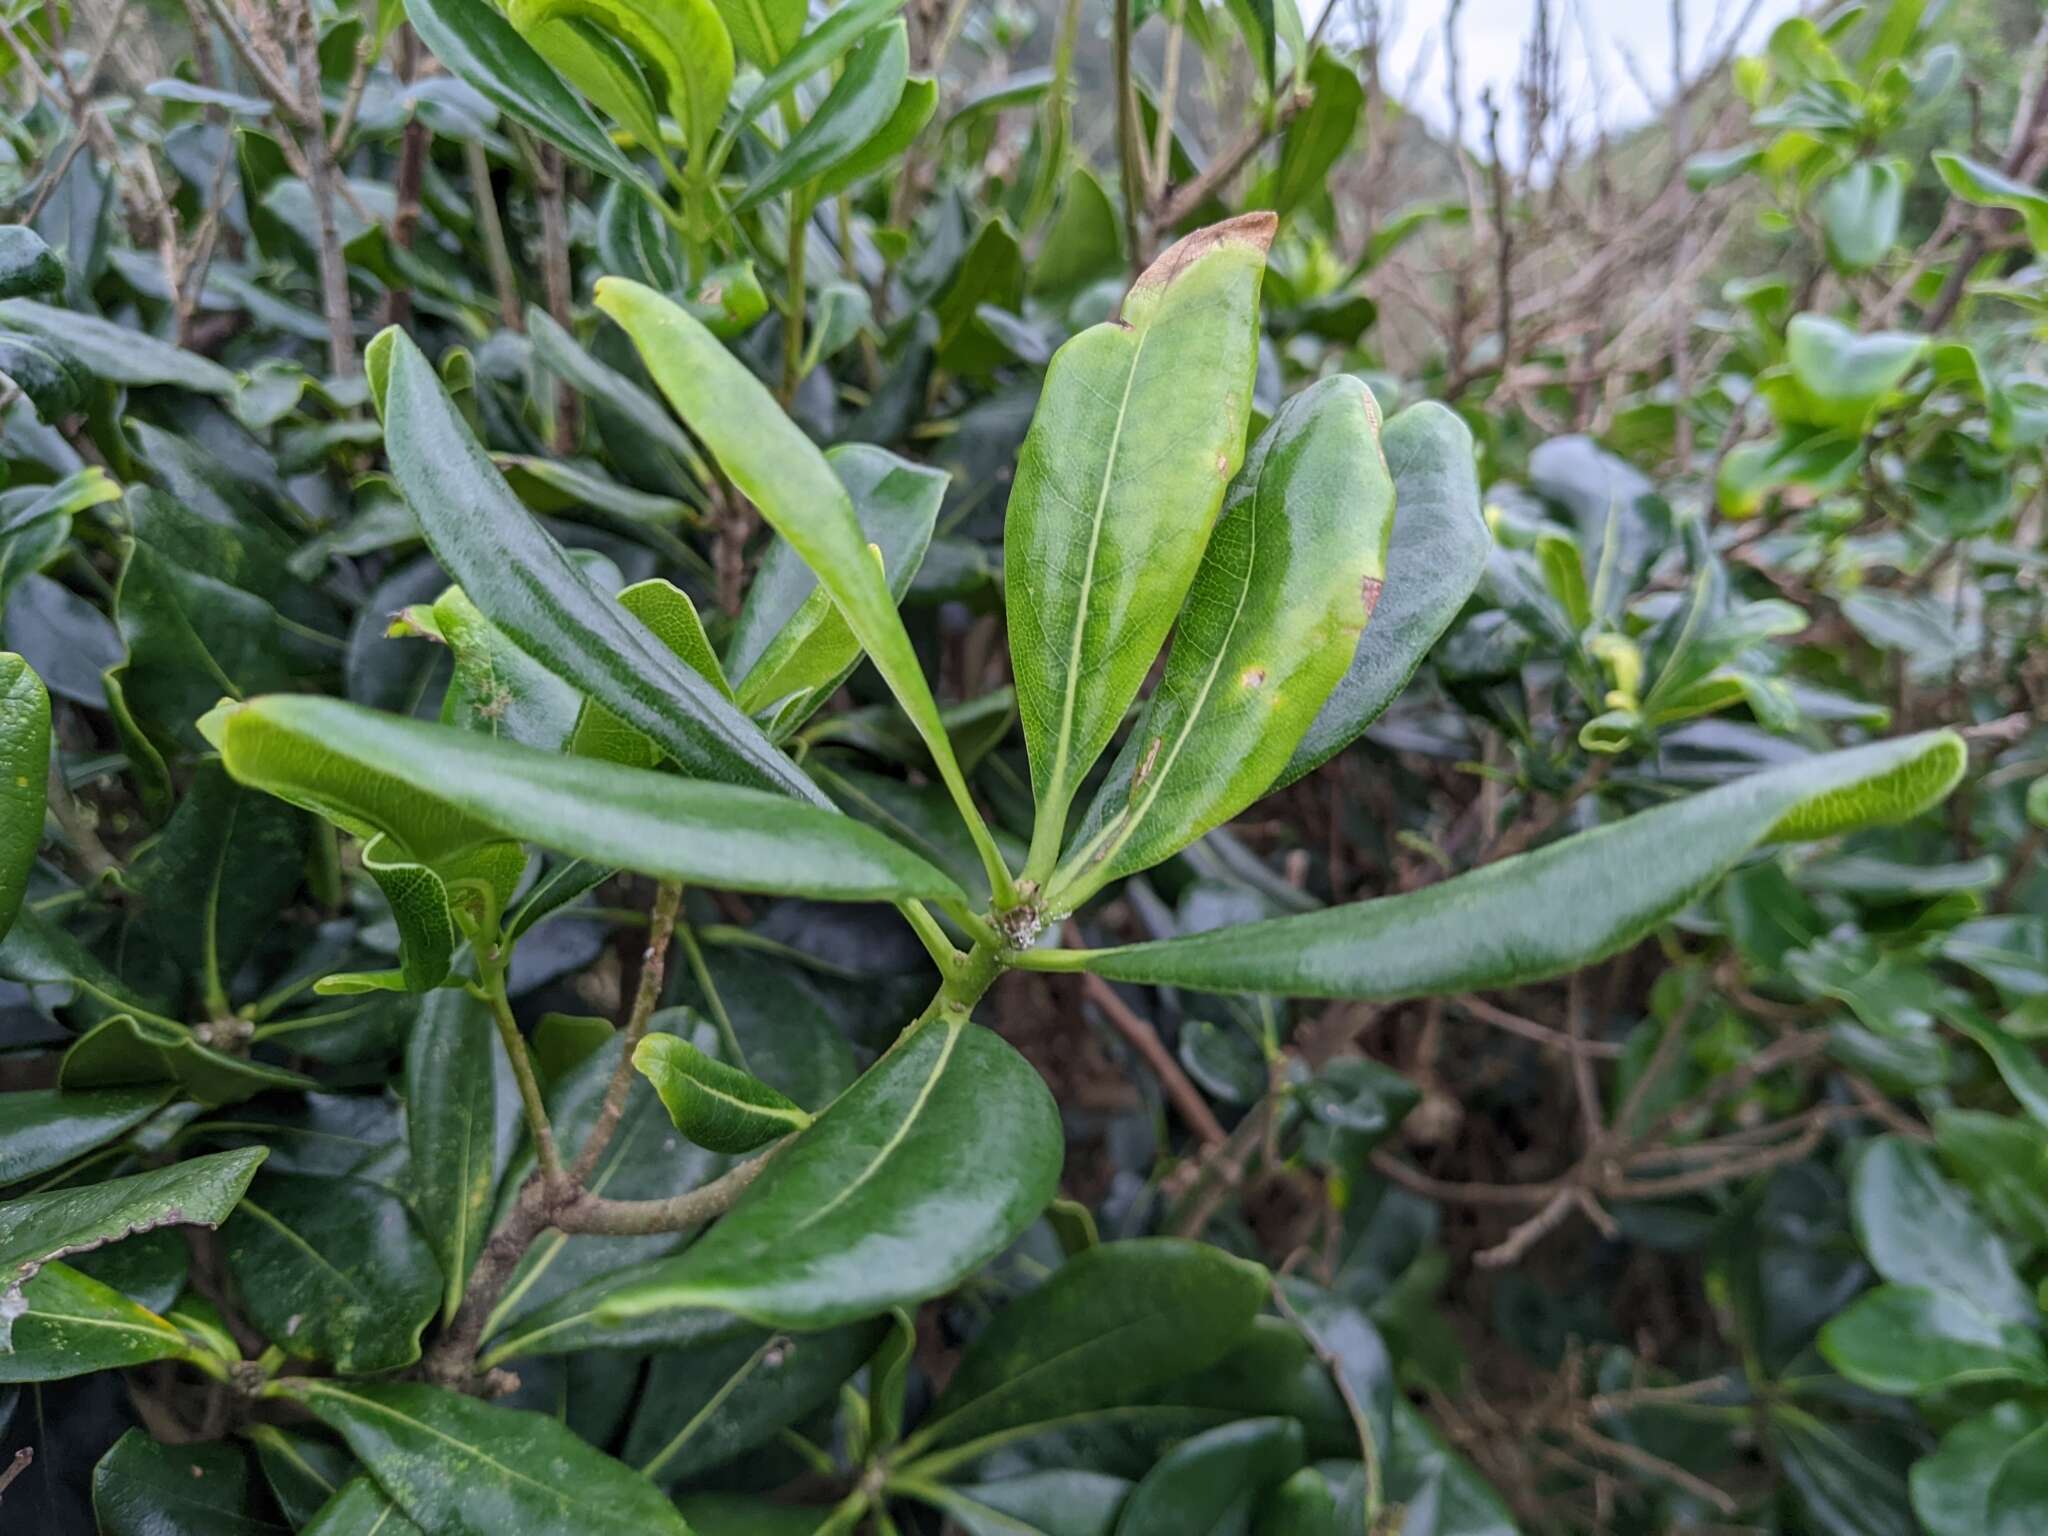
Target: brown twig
[[661, 927], [1144, 1039]]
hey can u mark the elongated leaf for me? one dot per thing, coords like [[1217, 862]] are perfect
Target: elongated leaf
[[598, 65], [1140, 427], [526, 585], [38, 1228], [45, 1128], [126, 1051], [360, 1508], [684, 40], [1287, 586], [1988, 187], [497, 689], [334, 756], [718, 1107], [460, 1467], [763, 31], [931, 1163], [485, 51], [1909, 1339], [1109, 1326], [1562, 906], [73, 1324], [454, 1129], [860, 104], [24, 778], [119, 354], [1437, 554], [776, 467], [886, 146]]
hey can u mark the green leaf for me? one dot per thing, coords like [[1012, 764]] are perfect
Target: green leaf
[[775, 466], [497, 690], [736, 1514], [1286, 587], [1138, 431], [887, 145], [53, 383], [684, 40], [598, 65], [1951, 1486], [763, 31], [1845, 376], [859, 106], [2016, 1504], [1988, 187], [126, 1050], [672, 618], [119, 354], [1849, 1477], [702, 1407], [142, 1488], [1438, 551], [45, 1128], [1210, 1485], [1920, 1230], [453, 1130], [1064, 1503], [1859, 213], [1561, 907], [840, 29], [27, 265], [460, 1467], [456, 792], [332, 1269], [38, 1228], [73, 1324], [879, 1204], [1086, 241], [897, 505], [718, 1107], [1316, 139], [1304, 1505], [550, 608], [485, 51], [360, 1508], [24, 779], [1109, 1326], [1908, 1339]]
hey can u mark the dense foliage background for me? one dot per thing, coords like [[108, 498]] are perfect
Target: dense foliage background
[[1631, 1116]]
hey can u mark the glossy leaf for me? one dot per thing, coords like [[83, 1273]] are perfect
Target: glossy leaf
[[1109, 1326], [360, 1508], [1138, 431], [1908, 1339], [24, 777], [718, 1107], [1988, 187], [528, 587], [1062, 1503], [461, 1467], [1285, 589], [467, 790], [684, 40], [35, 1229], [873, 1207], [485, 51], [456, 1130], [2017, 1501], [72, 1324], [1437, 553], [888, 144], [1210, 1485], [118, 354], [775, 466], [498, 690], [1560, 907], [763, 31], [1951, 1486], [1846, 376], [126, 1051], [332, 1269], [1920, 1230], [144, 1488], [1859, 213], [45, 1128], [859, 106]]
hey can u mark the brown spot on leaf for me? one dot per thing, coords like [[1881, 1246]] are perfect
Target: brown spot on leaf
[[1253, 677], [1369, 590], [1253, 229]]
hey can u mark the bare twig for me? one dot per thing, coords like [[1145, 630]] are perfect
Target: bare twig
[[661, 927]]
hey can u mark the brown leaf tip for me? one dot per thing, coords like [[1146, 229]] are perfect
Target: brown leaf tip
[[1252, 229]]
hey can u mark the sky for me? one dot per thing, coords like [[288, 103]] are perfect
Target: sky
[[1601, 37]]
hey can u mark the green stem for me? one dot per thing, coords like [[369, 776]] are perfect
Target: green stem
[[494, 963], [928, 932], [793, 300], [728, 1037], [1065, 960]]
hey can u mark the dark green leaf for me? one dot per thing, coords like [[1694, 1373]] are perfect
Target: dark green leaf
[[859, 106], [1210, 1485], [456, 1129], [1920, 1230], [27, 265], [45, 1128], [142, 1488], [460, 1467], [74, 1324], [1908, 1339], [360, 1508], [1561, 907], [24, 778]]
